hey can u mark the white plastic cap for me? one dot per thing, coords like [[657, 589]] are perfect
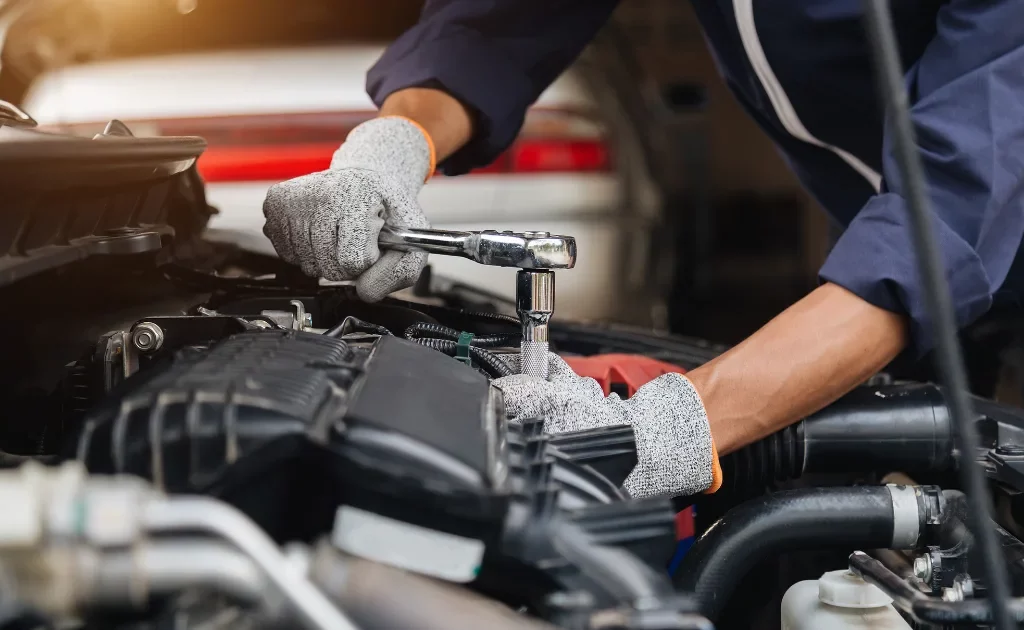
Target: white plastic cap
[[845, 590]]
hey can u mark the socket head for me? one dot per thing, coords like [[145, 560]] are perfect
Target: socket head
[[526, 250], [535, 293]]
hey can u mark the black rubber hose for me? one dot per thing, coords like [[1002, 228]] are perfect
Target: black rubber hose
[[810, 518], [937, 298], [421, 330], [620, 574], [490, 363]]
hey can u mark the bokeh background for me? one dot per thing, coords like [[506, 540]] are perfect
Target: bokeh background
[[693, 225]]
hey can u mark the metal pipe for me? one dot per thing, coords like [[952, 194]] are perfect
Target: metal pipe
[[889, 72], [380, 597], [134, 575], [173, 566], [212, 516]]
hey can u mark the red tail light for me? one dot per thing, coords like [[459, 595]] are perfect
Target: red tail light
[[264, 163], [559, 156], [279, 147]]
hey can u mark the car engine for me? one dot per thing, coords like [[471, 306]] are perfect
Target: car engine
[[196, 437]]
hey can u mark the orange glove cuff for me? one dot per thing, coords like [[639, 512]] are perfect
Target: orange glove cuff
[[430, 143], [716, 470]]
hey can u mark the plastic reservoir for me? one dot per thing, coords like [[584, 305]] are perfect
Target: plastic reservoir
[[839, 600]]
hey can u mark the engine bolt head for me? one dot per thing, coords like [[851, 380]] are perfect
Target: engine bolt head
[[147, 337], [953, 594], [923, 568]]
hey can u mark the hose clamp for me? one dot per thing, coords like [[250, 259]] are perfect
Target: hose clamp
[[906, 517]]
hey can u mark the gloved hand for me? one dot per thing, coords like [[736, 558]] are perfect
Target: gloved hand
[[328, 222], [675, 453]]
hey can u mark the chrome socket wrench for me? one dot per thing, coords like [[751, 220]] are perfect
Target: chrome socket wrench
[[534, 253], [535, 303]]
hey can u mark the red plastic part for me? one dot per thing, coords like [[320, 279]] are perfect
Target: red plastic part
[[632, 371], [684, 524]]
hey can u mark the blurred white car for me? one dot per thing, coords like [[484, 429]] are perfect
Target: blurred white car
[[270, 115]]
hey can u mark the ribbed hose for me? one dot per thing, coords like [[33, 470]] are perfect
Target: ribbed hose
[[812, 518], [778, 457], [891, 427]]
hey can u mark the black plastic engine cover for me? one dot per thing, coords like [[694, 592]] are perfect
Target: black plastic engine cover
[[445, 406], [288, 425], [181, 423]]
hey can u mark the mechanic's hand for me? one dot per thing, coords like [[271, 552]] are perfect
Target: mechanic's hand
[[328, 222], [675, 453]]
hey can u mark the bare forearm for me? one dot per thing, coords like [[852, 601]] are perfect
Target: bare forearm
[[443, 117], [811, 354]]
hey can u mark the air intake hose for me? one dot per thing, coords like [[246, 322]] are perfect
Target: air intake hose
[[866, 517], [873, 428]]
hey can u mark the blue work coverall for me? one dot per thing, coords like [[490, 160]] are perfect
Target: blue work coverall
[[802, 70]]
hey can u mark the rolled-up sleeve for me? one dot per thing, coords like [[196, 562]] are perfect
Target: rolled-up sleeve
[[495, 56], [967, 94]]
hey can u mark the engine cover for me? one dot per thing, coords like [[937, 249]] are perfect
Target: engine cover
[[272, 418]]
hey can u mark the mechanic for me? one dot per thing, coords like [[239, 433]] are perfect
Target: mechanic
[[454, 91]]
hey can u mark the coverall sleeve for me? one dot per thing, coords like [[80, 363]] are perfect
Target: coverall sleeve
[[967, 95], [495, 56]]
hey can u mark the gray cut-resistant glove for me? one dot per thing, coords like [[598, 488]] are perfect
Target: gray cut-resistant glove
[[328, 222], [675, 453]]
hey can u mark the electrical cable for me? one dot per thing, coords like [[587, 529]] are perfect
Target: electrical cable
[[489, 362], [888, 71], [421, 330]]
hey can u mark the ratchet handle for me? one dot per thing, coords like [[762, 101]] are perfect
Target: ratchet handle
[[525, 250], [445, 242]]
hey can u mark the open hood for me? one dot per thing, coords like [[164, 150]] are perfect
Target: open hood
[[67, 198]]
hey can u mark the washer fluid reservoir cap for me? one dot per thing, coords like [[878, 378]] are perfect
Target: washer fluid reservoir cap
[[846, 590]]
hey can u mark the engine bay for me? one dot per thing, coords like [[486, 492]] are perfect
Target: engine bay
[[193, 436]]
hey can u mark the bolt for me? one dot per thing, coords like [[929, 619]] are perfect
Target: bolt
[[964, 585], [147, 337], [953, 594], [923, 568]]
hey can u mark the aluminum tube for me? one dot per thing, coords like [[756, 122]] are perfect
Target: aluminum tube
[[173, 566], [133, 576], [380, 597], [209, 515]]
